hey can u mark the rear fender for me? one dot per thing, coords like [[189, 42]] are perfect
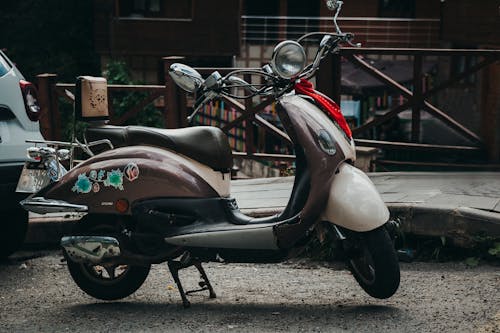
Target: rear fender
[[354, 202], [136, 173]]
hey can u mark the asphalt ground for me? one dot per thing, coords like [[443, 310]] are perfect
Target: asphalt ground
[[38, 295]]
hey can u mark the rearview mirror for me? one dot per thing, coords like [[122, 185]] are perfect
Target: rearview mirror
[[185, 77], [333, 4]]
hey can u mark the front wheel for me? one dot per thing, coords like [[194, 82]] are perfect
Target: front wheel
[[374, 263]]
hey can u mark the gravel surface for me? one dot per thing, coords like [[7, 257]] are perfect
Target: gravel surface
[[38, 295]]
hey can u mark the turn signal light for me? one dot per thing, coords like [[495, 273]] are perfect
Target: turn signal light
[[121, 205], [30, 100]]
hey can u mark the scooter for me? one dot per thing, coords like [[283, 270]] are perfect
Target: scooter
[[161, 195]]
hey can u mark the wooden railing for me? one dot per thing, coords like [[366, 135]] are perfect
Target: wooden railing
[[418, 100], [50, 93], [175, 106]]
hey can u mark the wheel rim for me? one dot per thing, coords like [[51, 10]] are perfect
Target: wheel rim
[[106, 273], [364, 267]]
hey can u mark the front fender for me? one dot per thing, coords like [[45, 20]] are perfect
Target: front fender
[[354, 202]]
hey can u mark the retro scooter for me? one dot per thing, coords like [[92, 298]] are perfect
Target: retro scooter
[[164, 195]]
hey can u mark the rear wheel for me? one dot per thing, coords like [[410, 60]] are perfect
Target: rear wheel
[[105, 281], [108, 281], [374, 263]]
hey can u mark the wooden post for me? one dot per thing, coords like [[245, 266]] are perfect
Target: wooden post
[[282, 22], [336, 78], [417, 98], [175, 112], [50, 119], [328, 78], [490, 111], [249, 137]]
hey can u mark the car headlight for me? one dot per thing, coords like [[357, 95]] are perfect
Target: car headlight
[[288, 59]]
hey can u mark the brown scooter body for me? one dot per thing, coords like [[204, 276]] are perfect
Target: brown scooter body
[[136, 173]]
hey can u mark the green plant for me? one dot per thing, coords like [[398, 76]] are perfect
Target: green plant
[[495, 250], [117, 72]]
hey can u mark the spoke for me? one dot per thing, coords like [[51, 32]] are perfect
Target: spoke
[[111, 271]]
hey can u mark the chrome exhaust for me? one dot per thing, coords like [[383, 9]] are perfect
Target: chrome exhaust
[[91, 249]]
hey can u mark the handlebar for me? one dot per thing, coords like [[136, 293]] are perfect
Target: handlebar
[[215, 85]]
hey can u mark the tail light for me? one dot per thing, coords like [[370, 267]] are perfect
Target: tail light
[[30, 100]]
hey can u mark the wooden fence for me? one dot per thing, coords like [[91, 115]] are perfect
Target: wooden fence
[[175, 107]]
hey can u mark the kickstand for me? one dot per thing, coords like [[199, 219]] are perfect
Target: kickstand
[[176, 266], [204, 283]]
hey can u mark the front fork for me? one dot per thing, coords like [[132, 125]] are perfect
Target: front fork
[[393, 227], [349, 241]]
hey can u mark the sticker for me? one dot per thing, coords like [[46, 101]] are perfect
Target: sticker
[[52, 170], [131, 172], [83, 184], [114, 178]]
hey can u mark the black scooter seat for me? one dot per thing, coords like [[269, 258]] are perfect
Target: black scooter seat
[[205, 144]]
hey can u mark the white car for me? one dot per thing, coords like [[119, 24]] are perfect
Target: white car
[[19, 113]]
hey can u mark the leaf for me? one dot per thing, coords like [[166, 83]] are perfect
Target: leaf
[[472, 261]]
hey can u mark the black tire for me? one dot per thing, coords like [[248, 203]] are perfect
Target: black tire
[[375, 264], [90, 279], [14, 225], [96, 280]]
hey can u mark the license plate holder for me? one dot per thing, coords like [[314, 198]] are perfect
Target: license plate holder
[[34, 177]]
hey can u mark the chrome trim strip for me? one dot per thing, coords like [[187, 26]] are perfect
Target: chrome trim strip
[[258, 238], [41, 205]]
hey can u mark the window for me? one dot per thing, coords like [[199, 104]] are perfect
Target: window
[[397, 8], [169, 9], [4, 65], [262, 7]]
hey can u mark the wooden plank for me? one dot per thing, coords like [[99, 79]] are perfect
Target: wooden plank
[[382, 119], [417, 98], [273, 129], [345, 51], [458, 77], [489, 167], [417, 146], [265, 156], [449, 121], [380, 76], [138, 108], [119, 87], [247, 114]]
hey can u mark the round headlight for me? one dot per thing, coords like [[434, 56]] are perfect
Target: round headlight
[[288, 59]]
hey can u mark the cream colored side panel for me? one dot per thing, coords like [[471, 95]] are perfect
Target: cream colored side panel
[[220, 182], [354, 202]]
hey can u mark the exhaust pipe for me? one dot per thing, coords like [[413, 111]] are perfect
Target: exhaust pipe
[[91, 249]]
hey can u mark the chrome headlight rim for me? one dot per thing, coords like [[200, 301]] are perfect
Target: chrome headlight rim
[[277, 57]]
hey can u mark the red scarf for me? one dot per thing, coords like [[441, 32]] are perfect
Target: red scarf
[[331, 108]]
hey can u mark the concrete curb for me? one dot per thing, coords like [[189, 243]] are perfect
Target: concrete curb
[[462, 225]]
